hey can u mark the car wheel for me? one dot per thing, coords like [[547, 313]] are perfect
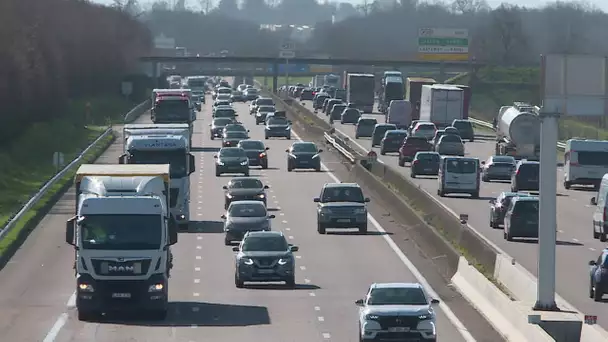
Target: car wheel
[[596, 235], [567, 185], [212, 136], [227, 241], [238, 282], [597, 293], [485, 179], [507, 236], [401, 161], [291, 282], [413, 175], [226, 204], [318, 169], [363, 229], [289, 137], [475, 195], [265, 166], [320, 228], [217, 173], [246, 174], [382, 152], [266, 137], [591, 292], [603, 237]]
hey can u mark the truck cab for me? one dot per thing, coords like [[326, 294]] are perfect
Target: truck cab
[[166, 149], [122, 236], [173, 107]]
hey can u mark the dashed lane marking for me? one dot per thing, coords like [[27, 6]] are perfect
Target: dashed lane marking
[[303, 268], [326, 336], [198, 257], [196, 294], [317, 308], [196, 281], [307, 281], [312, 294], [321, 318], [197, 269], [290, 237]]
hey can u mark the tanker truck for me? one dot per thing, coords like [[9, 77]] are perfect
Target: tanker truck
[[518, 131]]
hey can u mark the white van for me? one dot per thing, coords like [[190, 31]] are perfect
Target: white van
[[600, 213], [458, 175], [585, 162], [399, 114]]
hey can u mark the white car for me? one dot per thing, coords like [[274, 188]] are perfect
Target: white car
[[392, 311]]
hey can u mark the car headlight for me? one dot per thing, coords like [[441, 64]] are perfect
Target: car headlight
[[229, 195], [325, 211], [371, 317], [315, 156], [245, 162], [156, 287], [258, 114], [284, 261], [247, 261], [262, 196], [293, 156], [220, 163], [86, 288], [425, 317], [360, 211]]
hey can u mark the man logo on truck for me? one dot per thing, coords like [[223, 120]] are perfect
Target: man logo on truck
[[121, 269]]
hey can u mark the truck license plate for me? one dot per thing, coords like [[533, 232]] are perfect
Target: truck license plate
[[343, 220], [121, 295], [265, 271], [398, 329]]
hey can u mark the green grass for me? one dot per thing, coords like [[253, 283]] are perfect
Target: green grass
[[104, 110], [30, 218]]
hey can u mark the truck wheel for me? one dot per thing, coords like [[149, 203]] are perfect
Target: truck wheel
[[320, 228], [158, 315]]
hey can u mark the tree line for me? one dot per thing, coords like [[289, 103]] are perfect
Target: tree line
[[55, 51]]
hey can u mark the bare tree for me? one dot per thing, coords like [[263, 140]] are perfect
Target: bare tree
[[366, 7], [506, 28], [469, 6], [206, 5]]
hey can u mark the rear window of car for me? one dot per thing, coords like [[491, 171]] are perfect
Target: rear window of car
[[416, 141], [450, 138], [461, 166], [529, 169]]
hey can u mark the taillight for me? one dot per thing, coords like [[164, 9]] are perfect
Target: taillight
[[416, 162], [605, 214], [262, 155]]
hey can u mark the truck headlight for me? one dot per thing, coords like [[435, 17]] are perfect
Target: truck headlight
[[245, 162], [247, 261], [86, 288], [325, 211], [181, 217], [156, 287], [220, 163], [284, 261], [360, 211], [261, 196]]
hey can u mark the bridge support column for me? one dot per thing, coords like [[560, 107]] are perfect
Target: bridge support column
[[442, 75], [275, 77]]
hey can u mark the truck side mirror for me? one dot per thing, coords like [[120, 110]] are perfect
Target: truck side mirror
[[192, 162], [593, 201], [122, 159], [69, 231]]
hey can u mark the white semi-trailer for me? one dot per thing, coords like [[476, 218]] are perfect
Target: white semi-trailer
[[518, 131], [441, 104], [164, 145], [122, 235]]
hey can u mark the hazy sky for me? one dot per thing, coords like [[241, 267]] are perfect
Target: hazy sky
[[603, 4]]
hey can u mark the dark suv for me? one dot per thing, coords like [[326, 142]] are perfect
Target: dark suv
[[465, 128], [526, 176], [341, 205], [307, 94]]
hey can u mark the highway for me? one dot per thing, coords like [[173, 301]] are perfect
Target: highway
[[576, 245], [333, 270]]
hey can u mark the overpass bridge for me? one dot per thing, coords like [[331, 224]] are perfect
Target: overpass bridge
[[275, 67]]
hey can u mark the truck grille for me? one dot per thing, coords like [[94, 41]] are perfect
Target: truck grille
[[398, 321], [173, 197], [125, 269]]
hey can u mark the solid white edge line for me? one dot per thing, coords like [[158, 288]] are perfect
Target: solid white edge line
[[52, 334], [464, 332]]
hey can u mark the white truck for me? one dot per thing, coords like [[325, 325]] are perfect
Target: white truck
[[122, 235], [317, 81], [441, 104], [164, 144], [360, 91], [518, 131]]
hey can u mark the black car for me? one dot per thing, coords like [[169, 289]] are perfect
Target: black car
[[307, 94], [231, 160], [526, 176], [392, 141], [232, 138], [499, 206], [303, 155], [244, 189], [256, 152], [336, 111], [598, 276], [350, 115], [425, 164], [379, 131], [318, 100], [251, 94], [465, 128], [224, 112], [217, 127], [277, 127]]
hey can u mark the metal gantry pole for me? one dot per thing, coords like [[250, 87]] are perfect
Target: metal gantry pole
[[286, 72], [547, 234]]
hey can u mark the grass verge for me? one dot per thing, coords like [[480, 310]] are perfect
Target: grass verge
[[13, 239]]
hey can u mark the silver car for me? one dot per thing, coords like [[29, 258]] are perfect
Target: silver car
[[450, 145], [498, 168], [392, 310], [245, 216]]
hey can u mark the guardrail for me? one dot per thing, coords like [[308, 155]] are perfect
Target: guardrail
[[332, 141], [131, 116], [485, 124]]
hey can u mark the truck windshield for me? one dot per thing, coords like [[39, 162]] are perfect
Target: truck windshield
[[121, 232], [172, 111], [176, 159]]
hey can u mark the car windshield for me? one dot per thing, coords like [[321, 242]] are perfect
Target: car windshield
[[252, 145], [368, 122], [235, 134], [224, 91], [397, 296], [224, 113], [526, 208], [264, 102], [396, 135], [266, 109], [175, 158], [278, 121], [416, 141], [232, 152], [121, 232], [311, 148], [221, 103], [462, 166], [252, 91], [342, 194], [235, 128], [351, 111], [245, 183], [222, 122], [529, 170], [450, 138], [463, 125], [428, 156], [426, 127], [247, 210], [503, 160], [338, 108], [265, 244]]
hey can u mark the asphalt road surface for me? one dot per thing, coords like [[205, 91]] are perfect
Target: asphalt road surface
[[576, 245], [37, 286]]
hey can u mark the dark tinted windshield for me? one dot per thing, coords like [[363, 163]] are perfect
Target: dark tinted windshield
[[312, 148], [461, 166], [383, 128], [232, 152], [172, 107], [396, 136], [252, 145], [224, 113], [237, 209], [428, 156], [463, 125], [416, 141], [235, 134], [342, 194], [596, 158], [121, 232], [176, 159], [351, 111], [266, 109], [222, 122], [426, 127], [265, 244], [264, 102], [277, 121], [251, 91], [397, 296], [526, 208], [224, 91], [245, 183], [451, 138], [503, 160], [235, 128], [368, 122], [221, 103], [338, 108], [529, 169]]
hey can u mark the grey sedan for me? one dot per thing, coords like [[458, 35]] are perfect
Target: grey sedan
[[245, 216], [451, 145]]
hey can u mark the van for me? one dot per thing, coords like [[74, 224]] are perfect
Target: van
[[400, 113], [585, 162], [600, 213], [458, 175]]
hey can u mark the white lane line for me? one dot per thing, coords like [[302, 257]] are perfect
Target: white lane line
[[419, 277], [298, 257], [287, 229], [274, 196], [282, 214], [312, 294], [196, 281], [278, 208], [199, 208], [303, 268], [317, 308], [198, 257], [592, 249], [326, 336], [199, 237], [196, 294], [197, 269], [321, 318], [307, 281], [575, 240], [59, 323], [290, 237], [72, 301], [284, 221]]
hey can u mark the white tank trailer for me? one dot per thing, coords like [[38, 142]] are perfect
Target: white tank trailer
[[518, 131]]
